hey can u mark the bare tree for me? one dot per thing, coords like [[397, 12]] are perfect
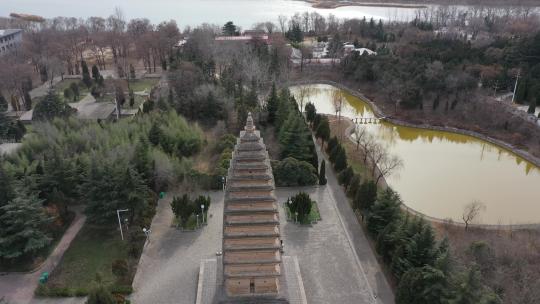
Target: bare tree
[[471, 212], [388, 165], [282, 23], [359, 133]]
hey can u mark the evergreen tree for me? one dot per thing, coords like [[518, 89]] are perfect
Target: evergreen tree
[[301, 204], [76, 92], [354, 186], [332, 143], [423, 285], [100, 295], [22, 226], [3, 103], [384, 211], [311, 112], [274, 67], [229, 29], [154, 135], [51, 107], [323, 130], [86, 75], [345, 176], [95, 73], [322, 173], [7, 192], [366, 196], [27, 101], [341, 160], [272, 104], [68, 94], [316, 121]]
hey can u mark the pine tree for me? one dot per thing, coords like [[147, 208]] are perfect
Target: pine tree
[[366, 196], [95, 73], [6, 187], [316, 121], [22, 226], [423, 285], [27, 101], [86, 74], [332, 143], [272, 104], [229, 29], [311, 112], [51, 107], [341, 160], [301, 204], [345, 176], [323, 130], [154, 135], [3, 103], [384, 211], [354, 186], [322, 173]]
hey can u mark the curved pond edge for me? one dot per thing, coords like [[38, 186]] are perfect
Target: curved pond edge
[[379, 114]]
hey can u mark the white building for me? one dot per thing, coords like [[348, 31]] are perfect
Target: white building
[[9, 40], [349, 48]]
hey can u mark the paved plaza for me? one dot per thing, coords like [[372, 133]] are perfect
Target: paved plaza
[[336, 263]]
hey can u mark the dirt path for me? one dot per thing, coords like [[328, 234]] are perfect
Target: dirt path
[[19, 288]]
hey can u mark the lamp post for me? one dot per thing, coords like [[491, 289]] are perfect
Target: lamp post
[[296, 214], [197, 220], [147, 233], [223, 181], [202, 208], [120, 222]]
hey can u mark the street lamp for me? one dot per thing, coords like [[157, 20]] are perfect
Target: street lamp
[[197, 220], [202, 207], [223, 181], [147, 233], [296, 214], [120, 222]]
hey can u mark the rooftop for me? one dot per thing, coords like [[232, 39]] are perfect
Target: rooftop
[[8, 32]]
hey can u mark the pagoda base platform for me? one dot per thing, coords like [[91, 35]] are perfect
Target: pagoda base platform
[[210, 287]]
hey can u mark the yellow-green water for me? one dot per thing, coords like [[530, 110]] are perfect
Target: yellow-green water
[[444, 171]]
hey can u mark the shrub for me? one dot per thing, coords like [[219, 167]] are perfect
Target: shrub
[[322, 173], [345, 177], [354, 185], [301, 203], [100, 295], [226, 141], [120, 268], [292, 172]]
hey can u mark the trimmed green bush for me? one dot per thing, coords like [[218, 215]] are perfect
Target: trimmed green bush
[[292, 172]]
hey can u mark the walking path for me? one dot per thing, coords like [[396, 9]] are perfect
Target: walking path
[[18, 288], [336, 260]]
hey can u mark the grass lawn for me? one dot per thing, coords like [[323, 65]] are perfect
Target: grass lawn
[[66, 83], [143, 84], [313, 215], [93, 251]]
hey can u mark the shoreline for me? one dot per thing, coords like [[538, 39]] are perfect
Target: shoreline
[[380, 115], [333, 4]]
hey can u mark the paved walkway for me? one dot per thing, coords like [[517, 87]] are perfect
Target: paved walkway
[[19, 288], [169, 266]]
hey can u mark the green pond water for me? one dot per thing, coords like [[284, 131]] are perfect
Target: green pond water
[[444, 171]]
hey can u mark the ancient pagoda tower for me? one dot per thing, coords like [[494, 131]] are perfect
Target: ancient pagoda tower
[[251, 242]]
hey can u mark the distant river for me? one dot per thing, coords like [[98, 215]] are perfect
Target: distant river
[[194, 12], [444, 171]]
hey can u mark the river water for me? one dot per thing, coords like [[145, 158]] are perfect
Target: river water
[[194, 12], [444, 171]]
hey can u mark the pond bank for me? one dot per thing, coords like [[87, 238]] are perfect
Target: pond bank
[[379, 114]]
